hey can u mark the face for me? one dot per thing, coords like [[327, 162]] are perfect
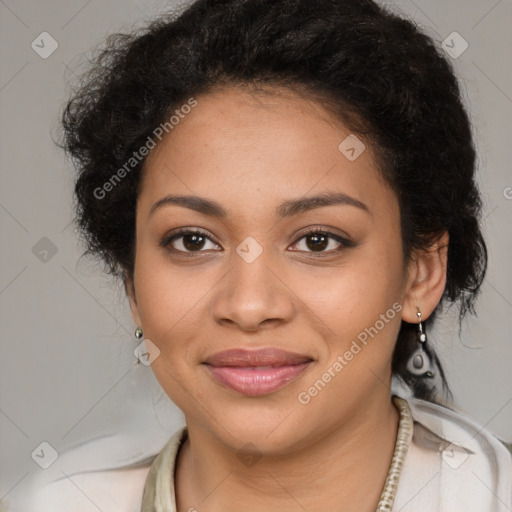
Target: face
[[247, 275]]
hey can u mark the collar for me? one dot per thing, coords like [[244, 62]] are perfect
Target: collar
[[449, 437]]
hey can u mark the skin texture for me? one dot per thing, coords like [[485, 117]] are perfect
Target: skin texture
[[250, 152]]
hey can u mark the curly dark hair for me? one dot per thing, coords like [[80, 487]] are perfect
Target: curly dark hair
[[377, 71]]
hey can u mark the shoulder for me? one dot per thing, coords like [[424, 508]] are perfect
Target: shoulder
[[117, 490], [454, 463], [472, 439], [105, 473]]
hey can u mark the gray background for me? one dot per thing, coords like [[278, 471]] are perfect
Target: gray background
[[67, 366]]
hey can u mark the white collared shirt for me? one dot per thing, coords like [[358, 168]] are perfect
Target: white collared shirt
[[452, 465]]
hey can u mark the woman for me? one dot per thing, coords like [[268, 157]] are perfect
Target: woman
[[287, 190]]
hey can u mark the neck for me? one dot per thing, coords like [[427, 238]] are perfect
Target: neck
[[345, 469]]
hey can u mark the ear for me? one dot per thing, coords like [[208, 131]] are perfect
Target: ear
[[129, 288], [426, 279]]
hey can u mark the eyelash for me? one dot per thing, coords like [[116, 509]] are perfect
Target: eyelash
[[315, 231]]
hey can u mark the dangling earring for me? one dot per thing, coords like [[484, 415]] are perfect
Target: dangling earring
[[419, 363], [138, 334]]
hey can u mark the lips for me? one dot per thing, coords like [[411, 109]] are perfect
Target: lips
[[271, 357], [256, 372]]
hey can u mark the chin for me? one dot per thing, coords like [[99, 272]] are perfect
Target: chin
[[274, 426]]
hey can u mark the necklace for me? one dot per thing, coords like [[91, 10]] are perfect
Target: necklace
[[160, 495], [403, 440]]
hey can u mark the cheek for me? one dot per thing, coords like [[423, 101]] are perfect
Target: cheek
[[359, 305], [170, 310], [169, 301], [354, 294]]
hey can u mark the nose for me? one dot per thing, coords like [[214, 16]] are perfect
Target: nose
[[253, 295]]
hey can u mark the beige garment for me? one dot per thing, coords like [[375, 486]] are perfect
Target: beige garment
[[452, 465]]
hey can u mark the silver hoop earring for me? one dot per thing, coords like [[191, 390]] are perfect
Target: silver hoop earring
[[419, 363]]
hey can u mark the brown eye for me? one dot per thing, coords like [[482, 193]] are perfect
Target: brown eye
[[193, 242], [187, 241], [318, 241]]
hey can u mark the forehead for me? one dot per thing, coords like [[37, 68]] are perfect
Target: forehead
[[254, 148]]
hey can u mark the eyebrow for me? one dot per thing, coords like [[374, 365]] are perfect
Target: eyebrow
[[285, 209]]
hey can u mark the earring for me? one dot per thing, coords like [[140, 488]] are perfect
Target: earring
[[419, 363], [138, 334]]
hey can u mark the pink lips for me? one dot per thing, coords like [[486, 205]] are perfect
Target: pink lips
[[256, 372]]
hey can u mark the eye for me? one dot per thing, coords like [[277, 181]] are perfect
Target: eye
[[317, 241], [187, 241]]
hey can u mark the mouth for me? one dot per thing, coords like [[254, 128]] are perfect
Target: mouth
[[256, 372]]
